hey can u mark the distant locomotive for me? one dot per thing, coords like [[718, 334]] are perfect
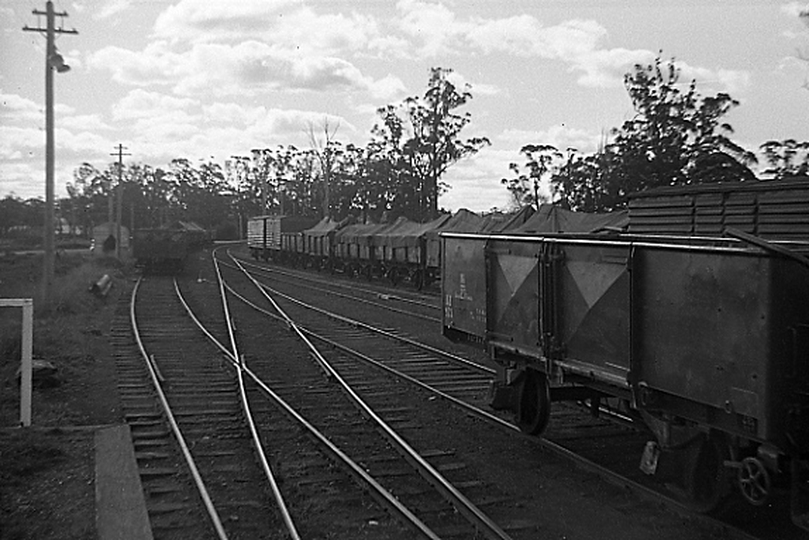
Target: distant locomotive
[[702, 337], [166, 249]]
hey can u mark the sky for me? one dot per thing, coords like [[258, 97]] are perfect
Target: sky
[[211, 79]]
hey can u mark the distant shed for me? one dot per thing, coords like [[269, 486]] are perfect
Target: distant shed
[[102, 232]]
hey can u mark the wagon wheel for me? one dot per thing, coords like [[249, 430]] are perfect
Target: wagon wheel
[[754, 481], [418, 279], [533, 402], [707, 479]]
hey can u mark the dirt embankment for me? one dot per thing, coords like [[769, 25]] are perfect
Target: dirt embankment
[[46, 471]]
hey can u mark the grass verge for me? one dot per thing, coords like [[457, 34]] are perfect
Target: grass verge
[[47, 471]]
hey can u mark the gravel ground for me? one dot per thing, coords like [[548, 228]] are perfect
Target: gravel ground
[[53, 495]]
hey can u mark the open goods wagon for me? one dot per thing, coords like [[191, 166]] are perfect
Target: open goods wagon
[[268, 235], [771, 209], [403, 250], [703, 341]]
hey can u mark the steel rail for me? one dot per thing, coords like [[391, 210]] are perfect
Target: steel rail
[[304, 276], [381, 365], [175, 428], [354, 298], [461, 503], [359, 324], [480, 413], [265, 465], [553, 447], [338, 455]]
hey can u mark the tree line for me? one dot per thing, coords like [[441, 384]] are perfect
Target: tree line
[[676, 137]]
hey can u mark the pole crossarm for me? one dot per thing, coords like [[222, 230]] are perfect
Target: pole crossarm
[[60, 30]]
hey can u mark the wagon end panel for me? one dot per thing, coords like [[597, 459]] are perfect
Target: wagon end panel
[[513, 305], [463, 288], [789, 386], [593, 330], [273, 232], [703, 324], [256, 236]]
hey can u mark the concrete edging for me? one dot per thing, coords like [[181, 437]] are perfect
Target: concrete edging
[[120, 504]]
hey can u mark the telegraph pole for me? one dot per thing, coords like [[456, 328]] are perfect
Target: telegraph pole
[[53, 60], [119, 195]]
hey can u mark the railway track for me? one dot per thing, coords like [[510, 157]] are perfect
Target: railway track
[[437, 508], [204, 404], [602, 445], [201, 402], [454, 377], [413, 304]]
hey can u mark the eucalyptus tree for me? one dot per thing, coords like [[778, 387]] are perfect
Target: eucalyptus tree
[[202, 193], [349, 191], [391, 182], [327, 150], [540, 160], [582, 183], [423, 134], [303, 184], [16, 212], [786, 158], [436, 143], [677, 137], [86, 203]]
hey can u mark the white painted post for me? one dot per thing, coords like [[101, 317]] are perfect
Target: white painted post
[[27, 361], [26, 377]]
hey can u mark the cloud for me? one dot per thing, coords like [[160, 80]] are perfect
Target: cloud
[[21, 180], [433, 26], [560, 136], [15, 107], [108, 9], [388, 88], [155, 65], [20, 142], [74, 146], [478, 89], [218, 19], [795, 9], [247, 68], [284, 24], [724, 80], [87, 122], [606, 68], [576, 42], [475, 182], [139, 104]]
